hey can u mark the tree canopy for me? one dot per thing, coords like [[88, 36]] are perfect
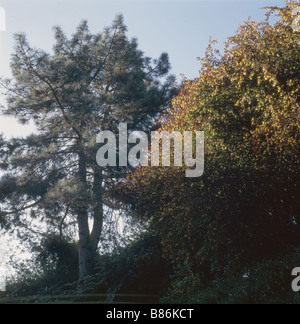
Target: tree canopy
[[91, 82], [245, 207]]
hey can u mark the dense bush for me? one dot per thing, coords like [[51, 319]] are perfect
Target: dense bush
[[55, 263], [245, 208], [268, 282], [137, 271]]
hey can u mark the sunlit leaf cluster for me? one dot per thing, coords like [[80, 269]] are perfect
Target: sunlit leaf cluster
[[245, 207]]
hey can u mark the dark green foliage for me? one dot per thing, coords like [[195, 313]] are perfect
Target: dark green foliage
[[137, 269], [55, 264], [135, 273], [268, 282], [59, 257]]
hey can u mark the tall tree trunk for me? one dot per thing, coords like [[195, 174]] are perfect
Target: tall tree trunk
[[85, 252], [86, 256], [88, 243], [98, 209]]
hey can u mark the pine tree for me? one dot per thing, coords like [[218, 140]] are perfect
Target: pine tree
[[91, 82]]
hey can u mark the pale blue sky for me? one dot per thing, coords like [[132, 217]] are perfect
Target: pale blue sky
[[180, 27]]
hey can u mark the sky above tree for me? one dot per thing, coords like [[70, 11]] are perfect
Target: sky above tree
[[181, 28]]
